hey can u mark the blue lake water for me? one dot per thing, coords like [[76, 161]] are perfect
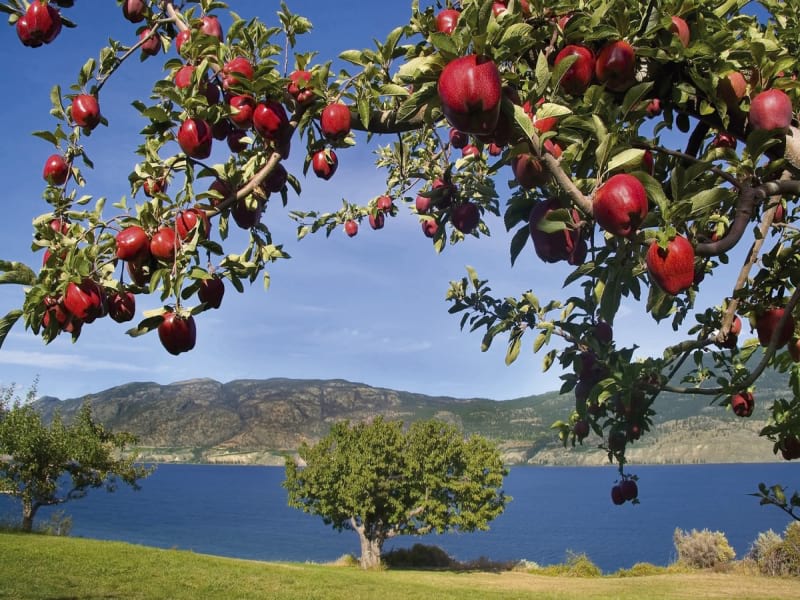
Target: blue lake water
[[242, 512]]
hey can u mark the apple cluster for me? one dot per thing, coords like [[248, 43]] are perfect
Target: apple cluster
[[570, 105]]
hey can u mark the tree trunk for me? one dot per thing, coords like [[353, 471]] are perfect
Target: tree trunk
[[370, 551], [28, 512]]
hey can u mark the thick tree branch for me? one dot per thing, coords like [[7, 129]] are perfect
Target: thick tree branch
[[748, 199]]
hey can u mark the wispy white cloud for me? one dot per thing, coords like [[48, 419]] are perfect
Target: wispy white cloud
[[46, 360]]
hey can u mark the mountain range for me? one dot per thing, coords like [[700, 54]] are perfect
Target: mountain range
[[260, 421]]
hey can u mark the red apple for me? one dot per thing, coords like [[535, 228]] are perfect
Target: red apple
[[790, 447], [653, 108], [122, 306], [672, 268], [324, 163], [235, 140], [470, 150], [377, 220], [724, 140], [529, 171], [578, 77], [243, 108], [620, 205], [335, 121], [630, 491], [235, 70], [276, 180], [177, 334], [86, 111], [681, 29], [190, 219], [617, 495], [221, 129], [163, 244], [542, 125], [771, 109], [40, 24], [731, 89], [183, 76], [495, 150], [384, 204], [447, 20], [555, 246], [767, 322], [423, 204], [223, 189], [151, 45], [244, 217], [465, 217], [194, 138], [581, 429], [648, 163], [134, 10], [84, 300], [209, 25], [471, 91], [299, 87], [742, 404], [56, 170], [211, 291], [152, 186], [615, 65], [458, 139], [133, 243], [443, 193], [430, 227], [736, 326], [141, 269], [56, 313], [182, 37], [270, 121], [351, 227]]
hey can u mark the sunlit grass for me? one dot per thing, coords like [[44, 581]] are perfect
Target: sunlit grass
[[38, 566]]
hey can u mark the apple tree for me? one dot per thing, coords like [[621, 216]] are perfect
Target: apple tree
[[649, 146], [48, 465], [381, 481]]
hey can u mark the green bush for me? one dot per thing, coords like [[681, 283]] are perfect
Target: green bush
[[790, 549], [775, 555], [642, 570], [765, 553], [703, 549], [418, 556], [577, 565]]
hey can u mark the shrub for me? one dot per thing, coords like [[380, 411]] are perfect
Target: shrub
[[765, 553], [346, 560], [642, 570], [418, 556], [790, 549], [577, 565], [703, 549]]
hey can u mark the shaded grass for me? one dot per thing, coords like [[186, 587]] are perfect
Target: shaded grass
[[46, 567]]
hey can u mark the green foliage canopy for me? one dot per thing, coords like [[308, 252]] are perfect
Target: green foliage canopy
[[45, 465], [381, 481]]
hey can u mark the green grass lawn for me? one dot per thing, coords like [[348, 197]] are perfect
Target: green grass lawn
[[46, 567]]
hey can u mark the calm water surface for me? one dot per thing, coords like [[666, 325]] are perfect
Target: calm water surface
[[242, 512]]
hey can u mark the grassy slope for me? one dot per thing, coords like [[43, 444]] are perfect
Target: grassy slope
[[34, 566]]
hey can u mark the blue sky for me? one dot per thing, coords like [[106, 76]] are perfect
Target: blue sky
[[368, 309]]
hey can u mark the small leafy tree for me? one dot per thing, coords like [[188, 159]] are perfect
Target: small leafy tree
[[382, 482], [46, 465]]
